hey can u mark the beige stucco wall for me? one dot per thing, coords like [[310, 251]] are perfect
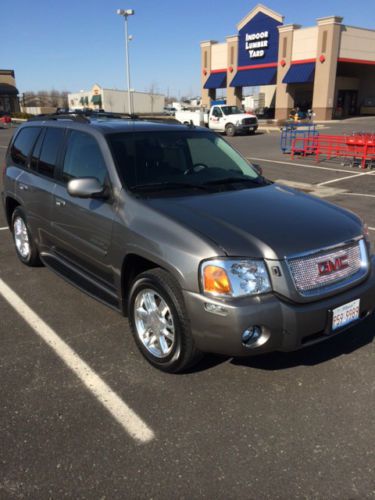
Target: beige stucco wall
[[357, 43], [8, 79], [305, 41], [219, 56], [269, 92]]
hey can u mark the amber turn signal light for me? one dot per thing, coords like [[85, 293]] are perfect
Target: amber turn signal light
[[216, 280]]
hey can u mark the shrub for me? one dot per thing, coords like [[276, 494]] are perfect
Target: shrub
[[21, 115]]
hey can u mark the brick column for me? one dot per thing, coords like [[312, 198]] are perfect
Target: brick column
[[326, 66], [284, 100], [207, 94]]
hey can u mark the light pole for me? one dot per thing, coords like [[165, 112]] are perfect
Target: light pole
[[125, 13]]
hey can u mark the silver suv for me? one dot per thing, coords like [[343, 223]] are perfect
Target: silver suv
[[172, 227]]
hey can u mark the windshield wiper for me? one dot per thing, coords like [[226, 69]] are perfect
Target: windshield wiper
[[258, 181], [168, 185]]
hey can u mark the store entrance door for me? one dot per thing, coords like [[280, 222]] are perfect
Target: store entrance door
[[347, 103]]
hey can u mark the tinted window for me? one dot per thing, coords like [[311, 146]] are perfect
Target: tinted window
[[83, 158], [23, 144], [34, 160], [50, 149]]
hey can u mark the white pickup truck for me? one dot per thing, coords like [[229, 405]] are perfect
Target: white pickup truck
[[222, 118]]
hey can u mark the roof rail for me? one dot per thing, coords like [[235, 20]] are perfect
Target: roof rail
[[84, 116], [77, 117]]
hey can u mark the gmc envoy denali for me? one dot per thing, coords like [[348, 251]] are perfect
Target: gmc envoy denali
[[174, 228]]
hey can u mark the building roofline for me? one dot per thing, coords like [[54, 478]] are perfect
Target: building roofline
[[260, 8]]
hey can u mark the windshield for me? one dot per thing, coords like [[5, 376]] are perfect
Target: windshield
[[231, 110], [176, 159]]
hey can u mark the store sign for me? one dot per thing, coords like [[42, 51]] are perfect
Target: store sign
[[257, 44], [259, 41]]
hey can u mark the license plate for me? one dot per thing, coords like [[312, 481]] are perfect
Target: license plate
[[345, 314]]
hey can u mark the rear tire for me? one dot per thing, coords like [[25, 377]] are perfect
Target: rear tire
[[26, 248], [230, 130], [159, 322]]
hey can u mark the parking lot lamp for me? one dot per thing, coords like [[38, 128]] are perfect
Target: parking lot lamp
[[125, 13]]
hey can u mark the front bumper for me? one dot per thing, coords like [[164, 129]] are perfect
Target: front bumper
[[287, 326], [246, 128]]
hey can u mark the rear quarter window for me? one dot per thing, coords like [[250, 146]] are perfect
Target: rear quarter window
[[23, 144]]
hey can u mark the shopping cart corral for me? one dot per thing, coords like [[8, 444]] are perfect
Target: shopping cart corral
[[292, 131], [355, 150]]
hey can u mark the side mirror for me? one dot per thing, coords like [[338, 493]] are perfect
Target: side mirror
[[88, 187], [258, 168]]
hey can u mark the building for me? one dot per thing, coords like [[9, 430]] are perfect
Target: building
[[8, 91], [116, 101], [329, 67]]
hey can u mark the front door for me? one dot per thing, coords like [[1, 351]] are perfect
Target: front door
[[216, 119], [83, 227]]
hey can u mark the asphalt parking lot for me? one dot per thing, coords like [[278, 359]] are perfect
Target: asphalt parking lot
[[297, 425]]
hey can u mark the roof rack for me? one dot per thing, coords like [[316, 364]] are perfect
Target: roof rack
[[84, 116]]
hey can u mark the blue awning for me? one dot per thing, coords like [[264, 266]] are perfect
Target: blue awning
[[254, 77], [300, 73], [216, 81]]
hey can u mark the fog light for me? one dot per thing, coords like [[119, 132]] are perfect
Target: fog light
[[251, 335]]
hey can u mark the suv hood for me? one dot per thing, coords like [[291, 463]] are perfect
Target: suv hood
[[269, 222]]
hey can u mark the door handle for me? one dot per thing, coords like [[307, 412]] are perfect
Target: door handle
[[23, 187], [60, 203]]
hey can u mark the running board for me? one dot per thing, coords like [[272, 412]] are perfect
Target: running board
[[81, 280]]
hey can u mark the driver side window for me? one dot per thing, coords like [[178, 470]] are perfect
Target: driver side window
[[83, 158], [217, 113]]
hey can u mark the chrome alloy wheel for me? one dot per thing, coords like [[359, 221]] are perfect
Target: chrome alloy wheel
[[154, 323], [21, 238]]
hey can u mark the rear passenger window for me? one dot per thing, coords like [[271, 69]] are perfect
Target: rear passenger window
[[83, 158], [50, 150], [23, 145]]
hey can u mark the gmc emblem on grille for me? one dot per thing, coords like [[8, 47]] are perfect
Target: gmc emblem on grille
[[330, 266]]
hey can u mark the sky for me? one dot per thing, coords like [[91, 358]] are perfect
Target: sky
[[72, 44]]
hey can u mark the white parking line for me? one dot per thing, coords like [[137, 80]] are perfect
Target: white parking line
[[3, 228], [299, 165], [372, 228], [4, 147], [124, 415], [360, 194], [345, 178]]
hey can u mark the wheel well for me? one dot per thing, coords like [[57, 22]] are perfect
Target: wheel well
[[10, 205], [132, 266]]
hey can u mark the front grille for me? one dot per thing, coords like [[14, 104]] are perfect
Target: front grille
[[249, 121], [310, 276]]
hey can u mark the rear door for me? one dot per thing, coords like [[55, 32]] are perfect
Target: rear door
[[18, 159], [83, 227], [37, 183]]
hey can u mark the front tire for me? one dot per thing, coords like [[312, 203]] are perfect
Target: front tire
[[159, 322], [26, 248], [230, 130]]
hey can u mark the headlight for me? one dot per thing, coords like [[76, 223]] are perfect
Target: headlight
[[238, 123], [365, 231], [235, 278], [366, 235]]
